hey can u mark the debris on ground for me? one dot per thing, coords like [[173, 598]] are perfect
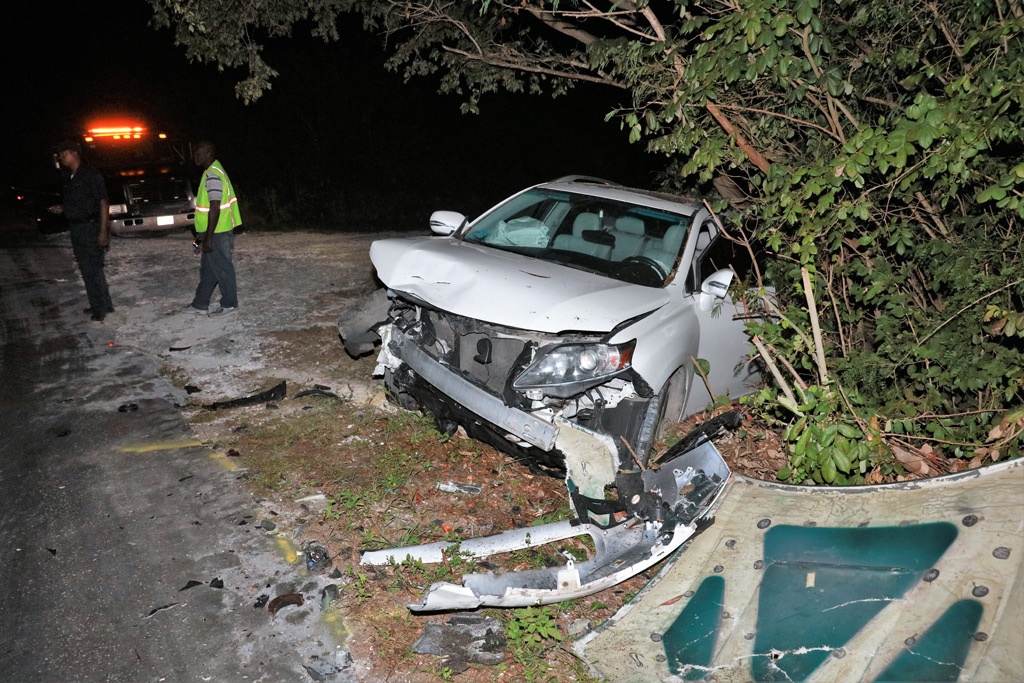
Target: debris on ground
[[464, 639], [315, 503], [328, 595], [336, 669], [160, 609], [318, 391], [285, 600], [275, 393], [318, 559], [454, 487]]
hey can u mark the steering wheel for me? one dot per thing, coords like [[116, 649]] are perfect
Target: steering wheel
[[642, 270]]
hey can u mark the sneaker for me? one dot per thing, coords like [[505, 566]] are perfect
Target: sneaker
[[99, 316], [221, 312], [198, 311], [88, 311]]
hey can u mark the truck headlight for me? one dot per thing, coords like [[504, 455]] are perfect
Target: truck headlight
[[567, 369], [118, 209]]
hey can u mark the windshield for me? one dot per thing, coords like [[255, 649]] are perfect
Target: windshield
[[624, 241], [108, 153]]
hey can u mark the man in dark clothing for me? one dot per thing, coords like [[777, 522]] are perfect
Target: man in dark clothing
[[87, 209]]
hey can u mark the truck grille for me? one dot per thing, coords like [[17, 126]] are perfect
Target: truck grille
[[158, 191]]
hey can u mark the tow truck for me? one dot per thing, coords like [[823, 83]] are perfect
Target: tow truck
[[147, 175]]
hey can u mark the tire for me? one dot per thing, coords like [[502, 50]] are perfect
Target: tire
[[394, 392], [666, 411], [675, 391]]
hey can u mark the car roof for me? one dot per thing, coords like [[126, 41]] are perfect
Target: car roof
[[606, 189]]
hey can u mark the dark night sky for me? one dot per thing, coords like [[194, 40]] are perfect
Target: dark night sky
[[369, 137]]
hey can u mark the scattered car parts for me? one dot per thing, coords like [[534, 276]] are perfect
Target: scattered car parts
[[653, 513], [275, 393]]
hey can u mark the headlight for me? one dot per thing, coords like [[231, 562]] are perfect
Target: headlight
[[568, 369], [118, 209]]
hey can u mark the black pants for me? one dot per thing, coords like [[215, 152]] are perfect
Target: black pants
[[91, 259]]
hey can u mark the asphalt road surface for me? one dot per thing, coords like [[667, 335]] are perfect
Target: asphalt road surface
[[109, 510]]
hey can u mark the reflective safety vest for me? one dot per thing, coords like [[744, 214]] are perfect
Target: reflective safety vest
[[230, 217]]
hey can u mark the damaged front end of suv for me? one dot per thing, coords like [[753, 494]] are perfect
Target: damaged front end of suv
[[514, 389]]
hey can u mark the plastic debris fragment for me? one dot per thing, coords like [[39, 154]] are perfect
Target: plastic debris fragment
[[321, 392], [328, 595], [318, 559], [273, 394], [455, 487], [160, 609], [285, 600], [464, 638]]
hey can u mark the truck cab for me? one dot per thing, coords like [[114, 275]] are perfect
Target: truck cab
[[147, 174]]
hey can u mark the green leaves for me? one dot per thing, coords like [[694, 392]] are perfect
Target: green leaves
[[823, 447], [892, 134], [532, 627], [805, 10]]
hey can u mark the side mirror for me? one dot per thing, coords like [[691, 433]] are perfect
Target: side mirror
[[446, 222], [715, 287]]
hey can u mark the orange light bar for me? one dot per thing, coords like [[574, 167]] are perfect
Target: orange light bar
[[127, 132]]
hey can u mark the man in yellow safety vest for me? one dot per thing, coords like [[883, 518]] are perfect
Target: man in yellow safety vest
[[217, 216]]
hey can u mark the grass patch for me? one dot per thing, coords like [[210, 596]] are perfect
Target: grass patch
[[380, 472]]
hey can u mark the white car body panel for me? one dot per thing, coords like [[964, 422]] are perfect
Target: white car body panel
[[525, 293]]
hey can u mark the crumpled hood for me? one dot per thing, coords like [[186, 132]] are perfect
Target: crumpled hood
[[508, 289]]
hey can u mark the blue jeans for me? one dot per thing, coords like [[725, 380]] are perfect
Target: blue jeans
[[217, 270], [91, 259]]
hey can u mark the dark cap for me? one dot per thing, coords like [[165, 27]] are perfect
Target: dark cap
[[70, 146]]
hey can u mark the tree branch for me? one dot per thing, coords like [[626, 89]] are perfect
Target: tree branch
[[495, 61], [752, 154]]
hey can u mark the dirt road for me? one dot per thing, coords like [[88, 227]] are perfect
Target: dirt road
[[286, 281]]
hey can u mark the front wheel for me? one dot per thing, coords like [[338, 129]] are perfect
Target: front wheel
[[664, 412], [395, 382], [673, 401]]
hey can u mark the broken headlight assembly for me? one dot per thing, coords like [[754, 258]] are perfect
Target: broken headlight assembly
[[565, 370]]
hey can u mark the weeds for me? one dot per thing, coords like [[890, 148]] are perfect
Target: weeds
[[358, 583], [556, 515], [531, 631], [342, 503]]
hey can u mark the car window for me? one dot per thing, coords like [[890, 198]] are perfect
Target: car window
[[628, 242], [722, 253]]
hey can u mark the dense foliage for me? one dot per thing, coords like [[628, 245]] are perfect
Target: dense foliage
[[875, 147]]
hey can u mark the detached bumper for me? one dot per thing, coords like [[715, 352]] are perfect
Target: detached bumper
[[680, 498]]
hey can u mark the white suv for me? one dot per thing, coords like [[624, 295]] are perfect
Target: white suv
[[564, 326], [573, 307]]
